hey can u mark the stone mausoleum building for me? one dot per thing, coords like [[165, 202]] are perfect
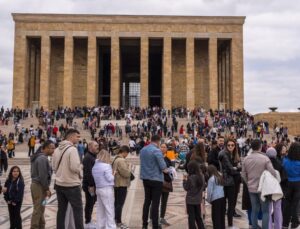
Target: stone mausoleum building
[[118, 60]]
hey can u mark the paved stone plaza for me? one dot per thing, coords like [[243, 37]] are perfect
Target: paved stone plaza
[[132, 212]]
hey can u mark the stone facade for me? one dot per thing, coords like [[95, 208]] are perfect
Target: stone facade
[[202, 59], [288, 119]]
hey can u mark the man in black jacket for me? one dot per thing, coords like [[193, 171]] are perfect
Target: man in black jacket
[[213, 155], [88, 183]]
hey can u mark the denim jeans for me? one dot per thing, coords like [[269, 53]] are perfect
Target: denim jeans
[[257, 203]]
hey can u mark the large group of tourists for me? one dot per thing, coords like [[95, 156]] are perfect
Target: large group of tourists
[[219, 155]]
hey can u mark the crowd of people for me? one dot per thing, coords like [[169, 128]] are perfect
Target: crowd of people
[[220, 151]]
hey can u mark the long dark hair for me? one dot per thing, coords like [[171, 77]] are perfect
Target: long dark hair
[[212, 171], [279, 148], [294, 152], [10, 176], [235, 153], [199, 150], [194, 169]]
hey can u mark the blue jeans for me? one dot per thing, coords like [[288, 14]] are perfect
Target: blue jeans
[[257, 203]]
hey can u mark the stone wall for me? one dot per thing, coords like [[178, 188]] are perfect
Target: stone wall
[[178, 73], [173, 29], [289, 119]]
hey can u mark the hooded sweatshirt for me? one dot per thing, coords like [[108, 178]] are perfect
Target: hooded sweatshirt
[[69, 172], [41, 170]]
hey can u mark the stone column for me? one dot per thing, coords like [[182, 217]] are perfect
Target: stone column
[[45, 71], [213, 73], [237, 73], [68, 71], [144, 89], [227, 80], [223, 100], [20, 91], [167, 73], [115, 73], [190, 72], [219, 76], [92, 82]]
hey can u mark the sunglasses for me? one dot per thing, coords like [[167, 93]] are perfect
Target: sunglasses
[[231, 145]]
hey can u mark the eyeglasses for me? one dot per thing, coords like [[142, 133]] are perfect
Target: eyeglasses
[[231, 145]]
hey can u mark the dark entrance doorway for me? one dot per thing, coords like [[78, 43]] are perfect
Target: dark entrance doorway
[[104, 62], [155, 71], [130, 72]]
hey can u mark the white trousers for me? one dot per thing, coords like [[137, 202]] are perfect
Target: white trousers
[[69, 219], [105, 208]]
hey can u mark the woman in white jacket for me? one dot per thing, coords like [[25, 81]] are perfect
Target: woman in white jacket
[[104, 180]]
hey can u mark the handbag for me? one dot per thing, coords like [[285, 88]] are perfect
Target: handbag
[[167, 186], [132, 177], [228, 179]]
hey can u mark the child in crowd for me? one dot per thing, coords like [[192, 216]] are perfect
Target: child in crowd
[[13, 194], [215, 196], [194, 185]]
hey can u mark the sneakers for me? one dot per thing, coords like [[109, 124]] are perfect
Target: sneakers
[[236, 215], [164, 222], [90, 225], [122, 226]]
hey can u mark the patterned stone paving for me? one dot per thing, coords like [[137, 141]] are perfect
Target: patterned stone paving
[[132, 213]]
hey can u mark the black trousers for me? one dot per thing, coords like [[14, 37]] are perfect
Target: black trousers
[[89, 205], [15, 216], [30, 151], [218, 213], [3, 165], [194, 216], [237, 186], [64, 196], [290, 210], [152, 191], [120, 197], [163, 204], [229, 192]]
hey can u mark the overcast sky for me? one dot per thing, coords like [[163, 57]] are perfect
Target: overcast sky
[[271, 40]]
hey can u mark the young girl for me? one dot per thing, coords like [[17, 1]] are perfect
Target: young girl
[[194, 185], [215, 196], [13, 195]]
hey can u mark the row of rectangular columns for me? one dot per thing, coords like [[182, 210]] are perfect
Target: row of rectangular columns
[[236, 73]]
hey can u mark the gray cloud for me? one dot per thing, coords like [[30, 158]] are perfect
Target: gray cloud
[[271, 33]]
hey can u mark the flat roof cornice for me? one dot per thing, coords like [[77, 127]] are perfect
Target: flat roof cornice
[[126, 19]]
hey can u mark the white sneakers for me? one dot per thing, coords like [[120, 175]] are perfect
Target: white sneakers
[[90, 225]]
